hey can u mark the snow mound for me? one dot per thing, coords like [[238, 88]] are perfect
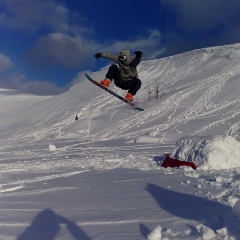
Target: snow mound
[[52, 147], [207, 233], [212, 152], [155, 234], [146, 139]]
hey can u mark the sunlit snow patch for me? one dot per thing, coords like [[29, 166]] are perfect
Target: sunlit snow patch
[[213, 152], [52, 148], [146, 139], [155, 234]]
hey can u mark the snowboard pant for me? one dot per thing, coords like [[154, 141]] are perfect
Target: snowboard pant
[[131, 85]]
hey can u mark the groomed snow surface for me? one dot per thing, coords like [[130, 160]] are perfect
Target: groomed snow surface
[[100, 177]]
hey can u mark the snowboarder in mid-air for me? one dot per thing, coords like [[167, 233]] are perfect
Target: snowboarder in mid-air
[[125, 75]]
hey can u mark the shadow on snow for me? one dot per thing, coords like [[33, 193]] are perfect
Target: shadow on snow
[[210, 213], [46, 225]]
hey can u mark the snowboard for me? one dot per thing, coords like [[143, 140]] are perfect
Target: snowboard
[[114, 94]]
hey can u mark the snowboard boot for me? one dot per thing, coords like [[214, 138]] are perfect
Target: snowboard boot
[[129, 97], [106, 82]]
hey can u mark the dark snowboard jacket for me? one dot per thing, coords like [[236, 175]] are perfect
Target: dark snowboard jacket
[[128, 67]]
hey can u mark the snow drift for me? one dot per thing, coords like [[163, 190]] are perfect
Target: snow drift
[[213, 152]]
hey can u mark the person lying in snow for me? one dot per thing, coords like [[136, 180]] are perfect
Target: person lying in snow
[[125, 75], [172, 162]]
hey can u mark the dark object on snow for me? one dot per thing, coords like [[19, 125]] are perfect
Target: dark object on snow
[[172, 162], [76, 118]]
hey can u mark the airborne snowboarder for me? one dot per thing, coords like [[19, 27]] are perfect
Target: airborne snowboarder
[[125, 73]]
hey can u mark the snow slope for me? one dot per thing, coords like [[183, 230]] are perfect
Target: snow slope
[[100, 177]]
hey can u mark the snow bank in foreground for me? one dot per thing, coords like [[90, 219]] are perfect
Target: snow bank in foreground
[[213, 152], [155, 234]]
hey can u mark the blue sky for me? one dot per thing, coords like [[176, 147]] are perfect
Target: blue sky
[[46, 44]]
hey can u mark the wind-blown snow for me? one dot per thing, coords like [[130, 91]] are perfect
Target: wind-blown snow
[[100, 177]]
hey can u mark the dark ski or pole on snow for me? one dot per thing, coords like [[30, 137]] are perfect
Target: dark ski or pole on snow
[[114, 94]]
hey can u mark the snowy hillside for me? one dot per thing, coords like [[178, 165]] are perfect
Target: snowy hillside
[[100, 177]]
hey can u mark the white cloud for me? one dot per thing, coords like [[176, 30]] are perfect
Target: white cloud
[[41, 88], [10, 78], [33, 15], [63, 42], [26, 14], [17, 81], [60, 41], [58, 49], [149, 44], [5, 63]]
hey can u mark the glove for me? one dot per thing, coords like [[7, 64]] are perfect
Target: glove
[[98, 55], [138, 54]]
